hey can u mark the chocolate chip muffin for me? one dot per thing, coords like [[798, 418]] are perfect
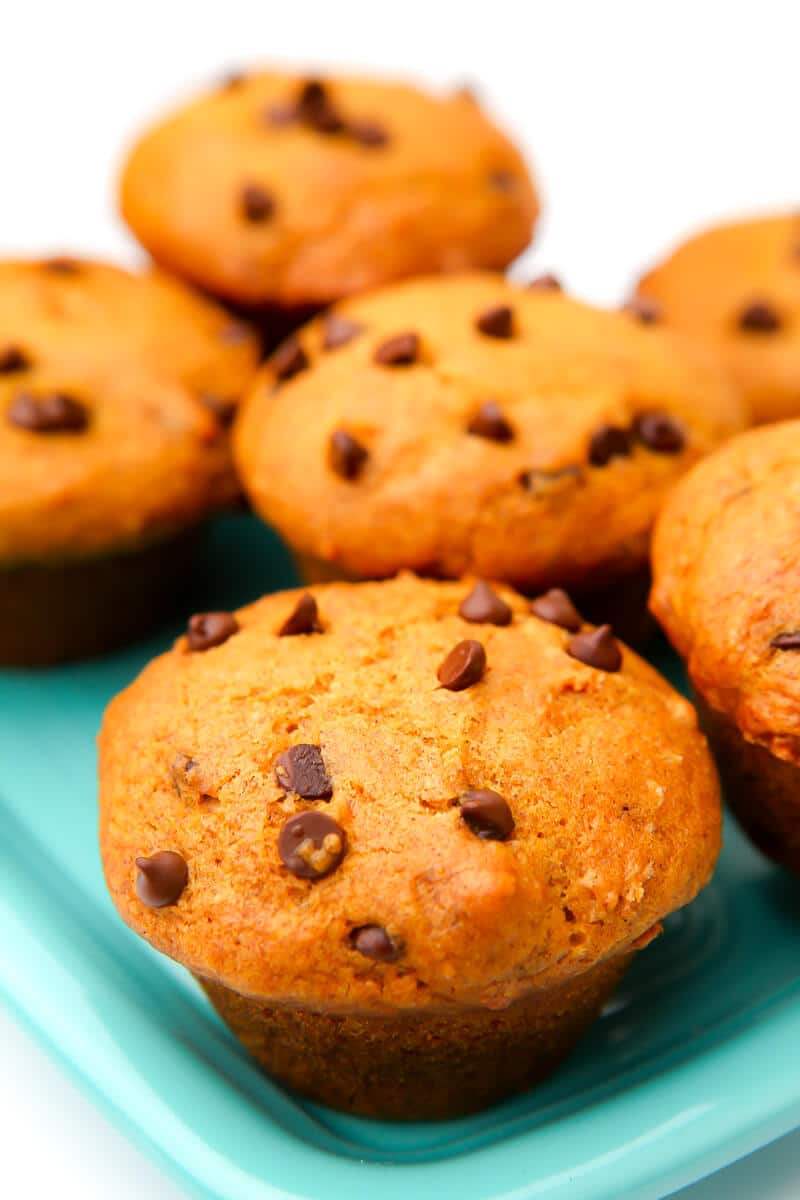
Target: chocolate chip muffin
[[458, 424], [115, 391], [282, 194], [736, 288], [726, 585], [407, 834]]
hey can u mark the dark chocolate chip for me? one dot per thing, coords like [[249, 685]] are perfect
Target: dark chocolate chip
[[61, 266], [374, 942], [496, 322], [607, 442], [289, 359], [368, 133], [223, 408], [543, 484], [486, 814], [316, 110], [596, 648], [545, 283], [311, 845], [786, 641], [300, 769], [304, 618], [556, 607], [644, 309], [463, 666], [346, 454], [51, 413], [490, 423], [13, 359], [660, 432], [162, 878], [210, 629], [502, 181], [339, 331], [759, 317], [257, 204], [398, 351], [483, 606]]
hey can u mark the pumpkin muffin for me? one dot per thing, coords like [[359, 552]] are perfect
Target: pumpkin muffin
[[407, 834], [736, 288], [115, 391], [282, 194], [726, 587], [459, 424]]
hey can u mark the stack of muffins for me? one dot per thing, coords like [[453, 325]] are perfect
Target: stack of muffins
[[407, 825]]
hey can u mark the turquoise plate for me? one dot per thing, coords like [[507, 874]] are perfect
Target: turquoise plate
[[695, 1062]]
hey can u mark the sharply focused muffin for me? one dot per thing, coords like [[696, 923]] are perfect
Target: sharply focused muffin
[[736, 288], [458, 424], [407, 834], [275, 191], [115, 393]]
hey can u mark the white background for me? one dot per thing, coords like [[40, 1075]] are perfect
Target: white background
[[643, 120]]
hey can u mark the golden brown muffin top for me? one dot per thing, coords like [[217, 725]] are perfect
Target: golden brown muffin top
[[736, 288], [278, 190], [483, 821], [114, 391], [727, 581], [460, 424]]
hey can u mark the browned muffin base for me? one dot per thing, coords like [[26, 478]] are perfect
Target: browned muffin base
[[51, 613], [429, 1065], [763, 791]]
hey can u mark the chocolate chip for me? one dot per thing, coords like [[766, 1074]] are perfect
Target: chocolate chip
[[339, 331], [300, 769], [556, 607], [289, 359], [490, 423], [502, 181], [644, 309], [311, 845], [210, 629], [596, 648], [496, 322], [52, 413], [61, 266], [659, 432], [162, 878], [368, 133], [304, 618], [543, 484], [486, 814], [607, 442], [483, 606], [463, 666], [12, 359], [346, 455], [759, 317], [786, 641], [224, 409], [398, 351], [374, 942], [257, 204], [545, 283], [315, 109]]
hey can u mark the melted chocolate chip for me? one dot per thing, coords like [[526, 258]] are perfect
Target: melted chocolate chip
[[545, 283], [644, 309], [490, 423], [607, 442], [399, 351], [596, 648], [311, 845], [52, 413], [374, 942], [556, 607], [12, 359], [483, 606], [223, 408], [486, 814], [339, 331], [304, 618], [660, 432], [786, 641], [496, 322], [210, 629], [162, 878], [543, 484], [368, 133], [257, 204], [289, 359], [346, 454], [463, 666], [759, 317], [301, 770], [315, 108]]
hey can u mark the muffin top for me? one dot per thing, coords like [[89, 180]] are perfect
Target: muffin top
[[457, 424], [114, 393], [737, 288], [278, 190], [727, 581], [360, 796]]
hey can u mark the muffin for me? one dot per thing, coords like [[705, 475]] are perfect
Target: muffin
[[736, 288], [725, 588], [282, 194], [460, 425], [115, 392], [407, 834]]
